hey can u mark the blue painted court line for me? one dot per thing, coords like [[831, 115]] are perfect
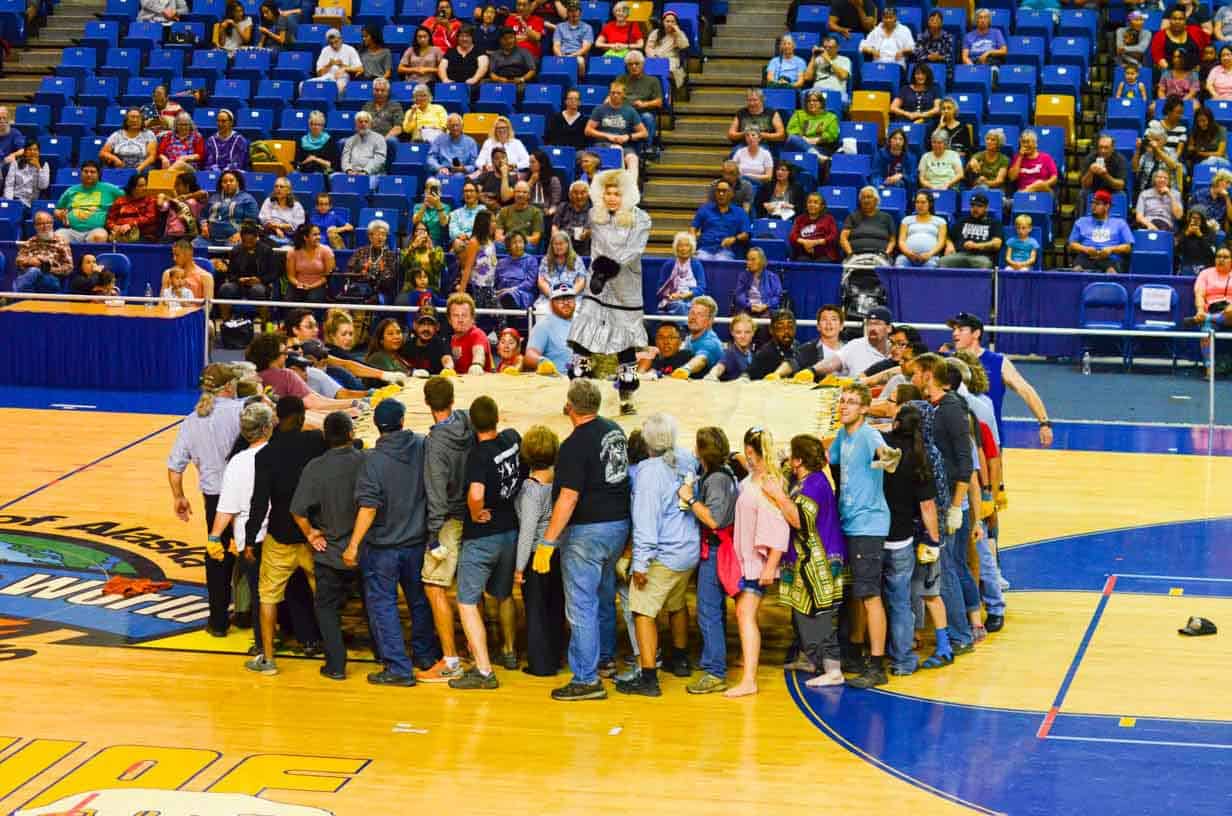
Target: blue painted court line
[[88, 465], [1143, 730], [1178, 585], [1050, 717], [1118, 437]]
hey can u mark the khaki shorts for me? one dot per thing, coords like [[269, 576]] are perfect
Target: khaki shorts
[[665, 589], [440, 571], [278, 563]]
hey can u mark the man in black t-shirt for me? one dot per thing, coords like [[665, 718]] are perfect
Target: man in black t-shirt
[[591, 500], [666, 355], [489, 539], [782, 347], [975, 242], [426, 350], [852, 17]]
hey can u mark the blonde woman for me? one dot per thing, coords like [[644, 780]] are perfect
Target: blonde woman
[[501, 135]]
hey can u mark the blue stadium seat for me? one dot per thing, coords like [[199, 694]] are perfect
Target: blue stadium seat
[[352, 35], [610, 158], [1070, 51], [1155, 318], [32, 119], [340, 123], [121, 11], [197, 30], [1031, 23], [1079, 23], [1146, 75], [596, 12], [1152, 253], [1129, 114], [399, 37], [78, 62], [252, 64], [164, 63], [122, 62], [996, 200], [206, 119], [87, 149], [348, 185], [1009, 109], [592, 95], [259, 184], [970, 108], [409, 159], [77, 121], [840, 201], [771, 228], [417, 10], [101, 34], [850, 171], [293, 65], [1157, 110], [275, 94], [865, 134], [118, 264], [183, 88], [99, 92], [142, 35], [453, 96], [813, 18], [973, 79], [1119, 206], [530, 128], [496, 98], [945, 203], [230, 92], [375, 12], [1026, 51], [881, 76], [56, 91], [1018, 79], [394, 217], [210, 64], [206, 11], [113, 119], [58, 150], [805, 166], [357, 95], [782, 100], [321, 95], [310, 38], [604, 69], [562, 71], [306, 183], [564, 160], [894, 201], [293, 123], [451, 189], [1104, 305], [118, 176], [1052, 142], [255, 123], [1126, 142], [775, 249], [1041, 207], [542, 98], [690, 17], [1061, 79], [138, 90], [953, 20]]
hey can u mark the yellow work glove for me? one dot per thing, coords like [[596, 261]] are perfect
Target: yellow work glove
[[987, 508], [547, 368], [512, 371], [680, 374], [214, 549], [543, 558], [622, 567], [927, 553], [773, 376], [1002, 499], [448, 372], [804, 377]]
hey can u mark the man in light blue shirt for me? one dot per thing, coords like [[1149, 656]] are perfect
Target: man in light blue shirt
[[453, 151], [706, 346], [549, 340], [574, 38]]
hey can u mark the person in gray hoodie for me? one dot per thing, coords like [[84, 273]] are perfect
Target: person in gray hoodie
[[450, 440], [391, 524]]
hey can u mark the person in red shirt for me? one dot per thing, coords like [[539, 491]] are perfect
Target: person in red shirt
[[444, 26], [527, 27], [814, 234], [1176, 34], [469, 345]]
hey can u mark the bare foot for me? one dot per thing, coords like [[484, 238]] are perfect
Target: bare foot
[[834, 678], [741, 690]]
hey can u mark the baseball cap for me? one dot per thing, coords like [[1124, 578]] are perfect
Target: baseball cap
[[979, 198], [297, 361], [216, 376], [1196, 626], [507, 30], [563, 290], [388, 415], [313, 350], [880, 313], [1136, 15], [966, 319], [510, 330], [1103, 196], [426, 312]]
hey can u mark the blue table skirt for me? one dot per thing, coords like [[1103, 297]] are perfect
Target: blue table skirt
[[106, 352]]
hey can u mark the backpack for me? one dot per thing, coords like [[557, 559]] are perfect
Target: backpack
[[236, 333], [261, 151]]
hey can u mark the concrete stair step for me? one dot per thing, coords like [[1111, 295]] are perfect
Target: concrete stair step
[[754, 48], [764, 28], [715, 138], [58, 39], [681, 157], [666, 223]]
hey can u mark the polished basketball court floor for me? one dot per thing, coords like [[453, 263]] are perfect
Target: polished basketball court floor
[[1088, 701]]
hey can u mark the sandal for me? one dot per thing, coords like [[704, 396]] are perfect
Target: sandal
[[938, 660]]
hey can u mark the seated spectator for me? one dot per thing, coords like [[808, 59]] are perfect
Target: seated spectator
[[990, 168], [477, 263], [496, 183], [759, 291], [177, 288], [433, 213], [921, 235], [374, 57], [743, 193], [338, 62], [199, 281], [281, 214], [161, 11], [1032, 171], [935, 46], [510, 64], [889, 42], [160, 112], [738, 355], [868, 232], [181, 149], [452, 152], [1177, 34], [527, 29], [918, 100], [274, 31], [45, 261], [567, 128], [387, 114], [720, 227], [517, 275], [644, 93], [463, 218], [105, 284], [421, 59], [940, 168], [364, 153], [619, 36], [1100, 242], [316, 151], [1132, 41], [813, 129], [573, 218], [520, 217], [1215, 202], [680, 280], [1208, 140], [574, 38], [463, 62], [814, 234], [756, 164], [385, 346], [372, 271], [1104, 168], [1179, 80], [561, 266], [83, 207], [781, 348], [615, 122], [755, 114], [28, 177], [1153, 154], [549, 339], [1175, 126], [666, 355], [1221, 24], [423, 264], [895, 165], [1219, 80], [588, 165], [975, 242], [959, 135], [226, 149], [829, 343], [487, 28], [12, 140], [1159, 206], [786, 70], [1022, 251], [133, 216], [984, 45], [334, 223], [859, 355], [446, 30], [668, 41], [545, 190], [1131, 87], [131, 146], [83, 280], [182, 211], [502, 137], [344, 363], [227, 209], [309, 265], [235, 30], [250, 272], [829, 70], [781, 198], [852, 17]]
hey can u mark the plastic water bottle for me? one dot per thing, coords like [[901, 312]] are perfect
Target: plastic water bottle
[[1086, 363], [149, 292]]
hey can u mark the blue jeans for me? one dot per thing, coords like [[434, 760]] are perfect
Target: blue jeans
[[897, 567], [955, 578], [797, 144], [903, 261], [675, 307], [384, 571], [720, 254], [648, 119], [990, 587], [712, 616], [588, 562], [35, 280]]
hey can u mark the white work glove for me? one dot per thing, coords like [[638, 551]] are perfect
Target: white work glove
[[953, 519], [421, 374], [712, 376], [395, 377], [475, 369]]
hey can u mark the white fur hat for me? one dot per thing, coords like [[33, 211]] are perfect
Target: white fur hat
[[629, 196]]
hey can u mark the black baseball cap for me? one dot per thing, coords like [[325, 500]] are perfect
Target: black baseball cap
[[979, 198], [880, 313], [965, 319]]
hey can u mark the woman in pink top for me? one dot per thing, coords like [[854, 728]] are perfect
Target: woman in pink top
[[1219, 80], [309, 265], [760, 535], [1179, 81], [1031, 170], [1213, 287]]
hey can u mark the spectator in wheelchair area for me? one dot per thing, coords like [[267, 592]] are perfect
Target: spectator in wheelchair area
[[45, 261], [199, 281], [682, 279], [372, 272], [759, 291], [309, 265], [249, 271], [1101, 242]]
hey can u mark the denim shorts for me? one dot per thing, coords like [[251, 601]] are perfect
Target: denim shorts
[[747, 585], [487, 563]]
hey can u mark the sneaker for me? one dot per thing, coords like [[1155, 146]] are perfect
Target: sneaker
[[332, 675], [962, 648], [643, 685], [628, 409], [679, 665], [474, 679], [854, 665], [994, 623], [706, 684], [938, 660], [387, 678], [873, 675], [607, 669], [312, 649], [801, 663], [573, 691], [979, 633], [509, 660], [631, 673], [902, 671], [261, 666], [441, 673], [216, 633]]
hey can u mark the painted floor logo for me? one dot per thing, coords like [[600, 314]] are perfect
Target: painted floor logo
[[135, 801]]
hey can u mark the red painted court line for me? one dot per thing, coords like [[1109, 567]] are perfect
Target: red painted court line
[[80, 808], [1046, 725], [1109, 585]]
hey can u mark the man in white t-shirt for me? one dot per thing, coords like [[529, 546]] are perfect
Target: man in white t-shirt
[[889, 42], [857, 355], [235, 498]]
